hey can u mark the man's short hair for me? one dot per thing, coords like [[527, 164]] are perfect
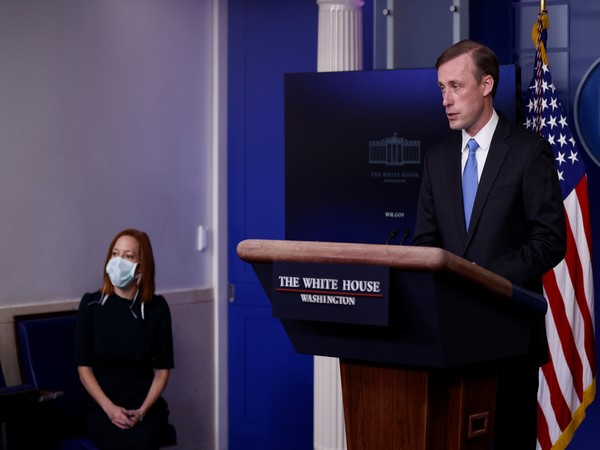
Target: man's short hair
[[484, 59]]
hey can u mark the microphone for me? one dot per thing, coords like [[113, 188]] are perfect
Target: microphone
[[391, 236], [405, 236]]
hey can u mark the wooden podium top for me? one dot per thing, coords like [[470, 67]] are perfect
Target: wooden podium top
[[408, 258]]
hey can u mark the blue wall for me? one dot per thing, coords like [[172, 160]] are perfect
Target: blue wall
[[270, 385]]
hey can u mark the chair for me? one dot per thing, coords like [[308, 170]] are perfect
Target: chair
[[45, 350], [15, 403]]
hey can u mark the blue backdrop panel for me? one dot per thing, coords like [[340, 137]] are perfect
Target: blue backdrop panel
[[354, 146]]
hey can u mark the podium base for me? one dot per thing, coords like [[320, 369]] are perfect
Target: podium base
[[391, 407]]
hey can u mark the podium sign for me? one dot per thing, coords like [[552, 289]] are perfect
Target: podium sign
[[355, 294]]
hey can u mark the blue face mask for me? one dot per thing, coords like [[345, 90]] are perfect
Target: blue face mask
[[121, 272]]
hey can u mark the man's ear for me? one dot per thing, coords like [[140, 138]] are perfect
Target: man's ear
[[488, 85]]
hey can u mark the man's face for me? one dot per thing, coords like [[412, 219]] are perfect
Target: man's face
[[468, 103]]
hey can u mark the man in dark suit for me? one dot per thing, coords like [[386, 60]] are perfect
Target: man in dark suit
[[514, 221]]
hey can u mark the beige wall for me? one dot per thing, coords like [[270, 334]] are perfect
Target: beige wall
[[107, 121]]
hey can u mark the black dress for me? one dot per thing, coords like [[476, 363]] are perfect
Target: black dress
[[124, 348]]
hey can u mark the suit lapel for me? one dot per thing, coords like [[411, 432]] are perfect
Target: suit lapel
[[454, 184], [493, 163]]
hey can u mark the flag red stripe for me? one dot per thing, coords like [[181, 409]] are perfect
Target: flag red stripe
[[582, 195], [576, 273], [561, 409], [564, 331], [543, 433]]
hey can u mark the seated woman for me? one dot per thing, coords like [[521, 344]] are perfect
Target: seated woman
[[124, 349]]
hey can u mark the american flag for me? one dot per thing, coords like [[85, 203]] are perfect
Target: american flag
[[568, 381]]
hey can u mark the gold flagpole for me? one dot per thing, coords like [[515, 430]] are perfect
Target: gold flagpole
[[542, 5]]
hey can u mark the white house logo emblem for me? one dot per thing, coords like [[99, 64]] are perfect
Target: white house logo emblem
[[394, 151]]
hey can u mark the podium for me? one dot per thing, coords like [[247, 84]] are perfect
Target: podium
[[420, 334]]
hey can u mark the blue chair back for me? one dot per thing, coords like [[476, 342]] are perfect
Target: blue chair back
[[45, 347]]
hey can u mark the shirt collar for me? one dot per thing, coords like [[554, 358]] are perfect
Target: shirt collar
[[484, 137]]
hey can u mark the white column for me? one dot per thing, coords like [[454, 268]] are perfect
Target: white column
[[329, 430], [339, 49], [460, 20], [340, 35]]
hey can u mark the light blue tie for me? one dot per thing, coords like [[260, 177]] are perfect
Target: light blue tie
[[469, 180]]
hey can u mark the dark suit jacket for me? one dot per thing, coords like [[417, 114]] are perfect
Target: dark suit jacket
[[517, 225]]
